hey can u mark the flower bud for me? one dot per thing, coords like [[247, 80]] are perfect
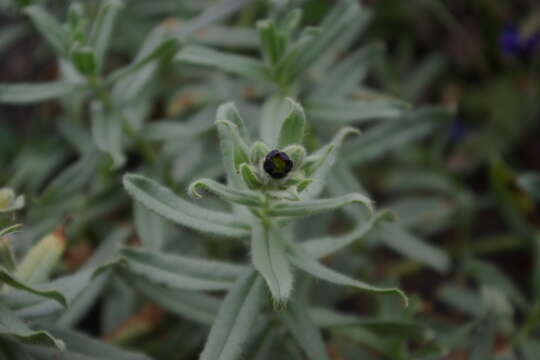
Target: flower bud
[[277, 164]]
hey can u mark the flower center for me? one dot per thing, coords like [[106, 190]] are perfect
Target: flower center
[[277, 164]]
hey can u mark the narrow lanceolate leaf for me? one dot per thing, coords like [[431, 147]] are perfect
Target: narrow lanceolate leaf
[[322, 162], [249, 174], [150, 227], [162, 50], [270, 259], [354, 111], [391, 135], [325, 246], [36, 92], [70, 286], [244, 197], [192, 305], [166, 129], [402, 241], [229, 112], [310, 207], [167, 204], [179, 272], [293, 127], [404, 329], [83, 347], [49, 28], [107, 132], [236, 64], [302, 259], [274, 108], [233, 149], [10, 325], [303, 329], [39, 290], [348, 73], [334, 25], [103, 27], [235, 319]]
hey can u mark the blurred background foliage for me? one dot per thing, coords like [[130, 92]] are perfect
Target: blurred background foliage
[[453, 151]]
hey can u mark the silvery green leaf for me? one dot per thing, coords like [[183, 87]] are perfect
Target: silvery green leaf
[[226, 37], [293, 126], [103, 28], [167, 204], [150, 227], [297, 154], [73, 178], [165, 129], [192, 305], [463, 300], [229, 112], [39, 290], [243, 197], [343, 180], [354, 111], [427, 214], [391, 135], [36, 92], [12, 326], [424, 74], [211, 15], [305, 261], [299, 322], [251, 179], [397, 238], [322, 247], [131, 79], [107, 132], [270, 259], [530, 182], [322, 163], [489, 275], [334, 25], [286, 71], [119, 302], [236, 64], [49, 28], [82, 347], [483, 339], [81, 304], [275, 108], [348, 73], [273, 42], [327, 318], [262, 345], [233, 149], [71, 286], [258, 152], [180, 272], [235, 319], [310, 207]]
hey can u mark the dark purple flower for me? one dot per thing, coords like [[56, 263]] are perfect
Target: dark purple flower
[[277, 164], [514, 43]]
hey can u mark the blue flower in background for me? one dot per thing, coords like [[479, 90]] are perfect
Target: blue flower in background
[[514, 43]]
